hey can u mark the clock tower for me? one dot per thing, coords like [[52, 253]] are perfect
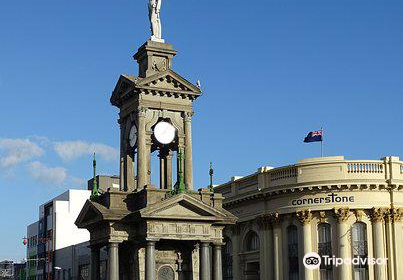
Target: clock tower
[[174, 232], [156, 109]]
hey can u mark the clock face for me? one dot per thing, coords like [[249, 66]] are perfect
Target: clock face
[[133, 136], [164, 132]]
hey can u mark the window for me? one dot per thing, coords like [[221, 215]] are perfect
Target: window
[[252, 242], [84, 272], [227, 260], [360, 250], [292, 234], [325, 249]]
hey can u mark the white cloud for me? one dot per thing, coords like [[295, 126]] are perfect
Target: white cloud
[[53, 176], [70, 150], [16, 151], [47, 175]]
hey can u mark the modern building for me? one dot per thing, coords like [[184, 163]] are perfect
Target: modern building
[[54, 231], [56, 248], [10, 270], [331, 206]]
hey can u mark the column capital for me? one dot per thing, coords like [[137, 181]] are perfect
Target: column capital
[[264, 221], [204, 243], [396, 214], [342, 214], [142, 111], [275, 218], [378, 214], [304, 216], [187, 116], [235, 229]]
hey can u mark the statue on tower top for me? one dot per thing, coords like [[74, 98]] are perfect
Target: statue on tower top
[[154, 8]]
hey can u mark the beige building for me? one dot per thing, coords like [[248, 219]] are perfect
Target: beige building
[[331, 206]]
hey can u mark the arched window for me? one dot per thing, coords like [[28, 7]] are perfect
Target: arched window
[[325, 249], [252, 242], [360, 250], [227, 260], [292, 234]]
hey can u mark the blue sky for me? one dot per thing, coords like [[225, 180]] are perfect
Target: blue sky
[[271, 72]]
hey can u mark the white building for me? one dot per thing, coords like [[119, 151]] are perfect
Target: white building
[[54, 231]]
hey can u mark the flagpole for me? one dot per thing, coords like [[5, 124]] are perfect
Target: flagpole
[[321, 143]]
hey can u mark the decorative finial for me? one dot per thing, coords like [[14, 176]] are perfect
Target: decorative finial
[[95, 191], [211, 173]]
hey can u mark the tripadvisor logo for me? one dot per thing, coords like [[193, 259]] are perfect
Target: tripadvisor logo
[[330, 198], [313, 261]]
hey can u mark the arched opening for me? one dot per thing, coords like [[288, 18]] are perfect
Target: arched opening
[[292, 235], [252, 256], [360, 250], [325, 249], [227, 261], [252, 242]]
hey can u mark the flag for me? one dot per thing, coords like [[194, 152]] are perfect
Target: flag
[[314, 136]]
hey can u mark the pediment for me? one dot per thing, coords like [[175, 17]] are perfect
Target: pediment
[[89, 214], [183, 207], [168, 81]]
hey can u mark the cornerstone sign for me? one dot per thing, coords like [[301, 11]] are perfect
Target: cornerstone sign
[[326, 199]]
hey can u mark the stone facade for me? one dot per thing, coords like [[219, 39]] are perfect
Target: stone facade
[[326, 202], [169, 233]]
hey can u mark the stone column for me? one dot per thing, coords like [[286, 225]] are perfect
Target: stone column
[[390, 246], [377, 216], [305, 217], [162, 170], [95, 262], [205, 271], [142, 168], [217, 274], [266, 247], [343, 236], [277, 246], [113, 261], [150, 261], [396, 216], [188, 151], [235, 230], [168, 170]]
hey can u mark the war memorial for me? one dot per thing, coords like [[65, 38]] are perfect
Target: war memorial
[[170, 232], [255, 227]]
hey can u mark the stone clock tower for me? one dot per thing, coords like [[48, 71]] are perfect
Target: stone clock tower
[[156, 111], [174, 232]]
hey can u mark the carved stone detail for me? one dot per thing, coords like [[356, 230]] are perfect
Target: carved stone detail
[[275, 218], [342, 214], [322, 217], [264, 222], [378, 215], [235, 229], [359, 214], [304, 216], [188, 116], [396, 214]]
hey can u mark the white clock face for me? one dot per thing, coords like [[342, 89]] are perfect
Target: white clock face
[[164, 132], [133, 136]]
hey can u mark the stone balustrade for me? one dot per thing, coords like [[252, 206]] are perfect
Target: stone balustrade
[[321, 172]]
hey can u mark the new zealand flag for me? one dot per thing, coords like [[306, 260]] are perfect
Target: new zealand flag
[[314, 136]]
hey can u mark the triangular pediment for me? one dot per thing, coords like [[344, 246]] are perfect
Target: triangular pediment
[[89, 214], [184, 207], [168, 81]]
